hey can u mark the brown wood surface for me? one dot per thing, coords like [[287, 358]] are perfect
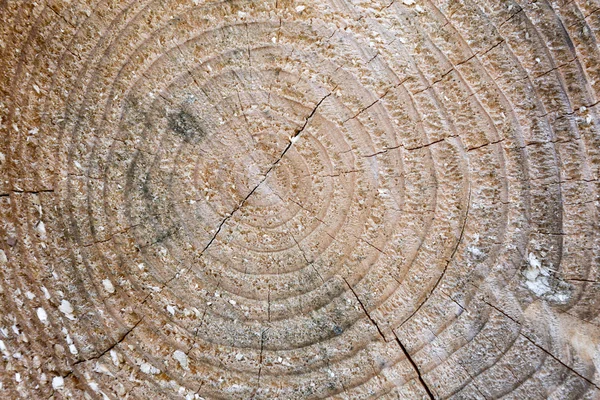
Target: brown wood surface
[[279, 199]]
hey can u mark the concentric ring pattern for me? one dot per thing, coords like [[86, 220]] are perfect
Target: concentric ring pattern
[[293, 200]]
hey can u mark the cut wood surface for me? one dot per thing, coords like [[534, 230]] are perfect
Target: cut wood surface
[[349, 199]]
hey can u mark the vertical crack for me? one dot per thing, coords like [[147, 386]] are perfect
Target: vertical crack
[[308, 262], [365, 310], [406, 353], [260, 361], [415, 367], [269, 305]]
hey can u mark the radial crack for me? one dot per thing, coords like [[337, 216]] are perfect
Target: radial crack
[[260, 361], [121, 338], [541, 347], [311, 263], [365, 311], [415, 367], [266, 175]]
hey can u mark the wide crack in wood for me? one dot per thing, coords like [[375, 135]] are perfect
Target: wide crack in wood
[[402, 347], [365, 310], [415, 367]]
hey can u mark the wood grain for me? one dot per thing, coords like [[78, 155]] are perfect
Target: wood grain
[[393, 199]]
